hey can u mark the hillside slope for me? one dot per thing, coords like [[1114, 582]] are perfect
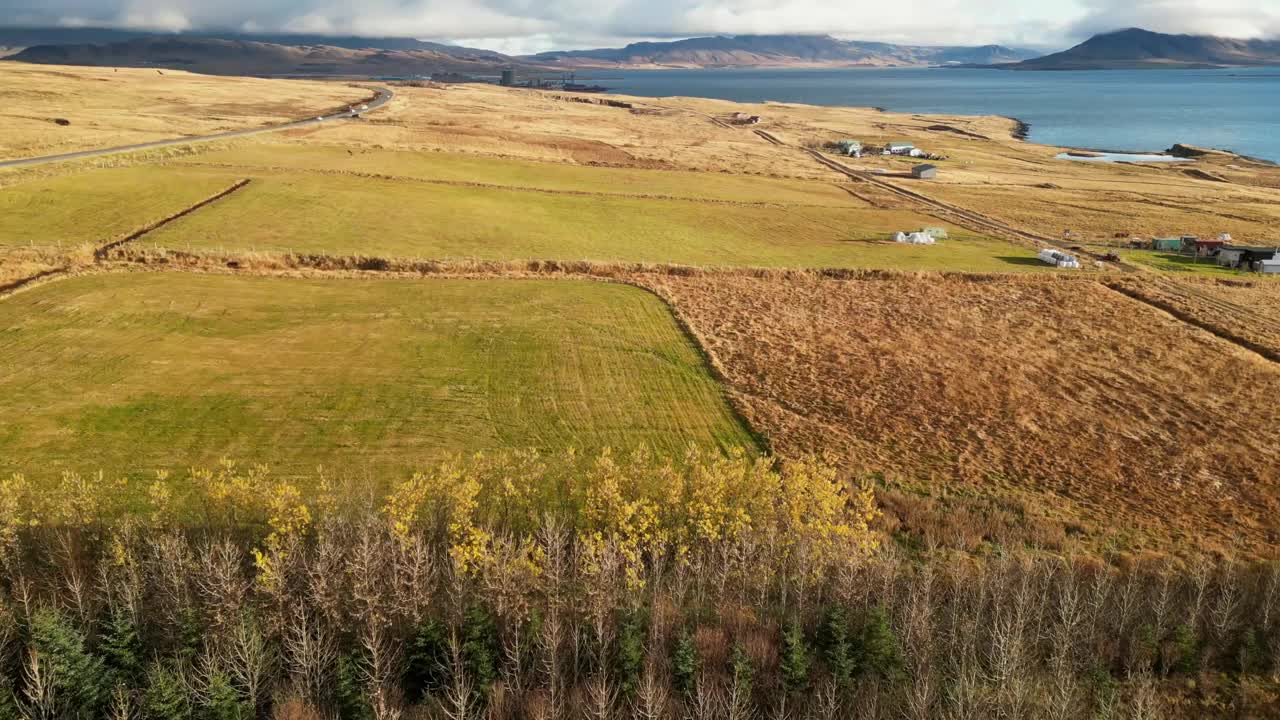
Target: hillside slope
[[250, 57], [777, 51], [1137, 48]]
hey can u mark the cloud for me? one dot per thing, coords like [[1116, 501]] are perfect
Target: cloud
[[1229, 18], [543, 24]]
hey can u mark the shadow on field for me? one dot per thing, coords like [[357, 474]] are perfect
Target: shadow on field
[[1020, 260]]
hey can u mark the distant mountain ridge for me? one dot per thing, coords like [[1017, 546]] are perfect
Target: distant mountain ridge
[[777, 51], [1136, 48], [18, 37], [218, 56]]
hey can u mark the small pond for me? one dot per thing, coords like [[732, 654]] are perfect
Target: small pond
[[1121, 157]]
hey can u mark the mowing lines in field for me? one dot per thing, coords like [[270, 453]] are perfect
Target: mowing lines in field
[[134, 371]]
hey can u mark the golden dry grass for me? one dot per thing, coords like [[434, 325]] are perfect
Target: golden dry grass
[[1080, 404], [1247, 312], [987, 171], [108, 108]]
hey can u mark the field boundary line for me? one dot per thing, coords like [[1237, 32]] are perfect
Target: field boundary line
[[768, 136], [513, 188], [1262, 351], [101, 252], [14, 286], [249, 262]]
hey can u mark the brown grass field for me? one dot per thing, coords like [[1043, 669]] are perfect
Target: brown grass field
[[108, 107], [1247, 312], [1064, 398]]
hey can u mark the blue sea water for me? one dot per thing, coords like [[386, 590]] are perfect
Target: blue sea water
[[1123, 110]]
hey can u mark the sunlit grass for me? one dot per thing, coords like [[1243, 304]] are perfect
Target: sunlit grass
[[147, 371]]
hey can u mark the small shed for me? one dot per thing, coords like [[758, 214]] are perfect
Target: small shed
[[1270, 267], [901, 148], [1245, 258], [1208, 248], [924, 172], [938, 233], [1167, 244], [917, 153]]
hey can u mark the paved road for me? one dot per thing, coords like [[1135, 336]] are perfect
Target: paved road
[[384, 96]]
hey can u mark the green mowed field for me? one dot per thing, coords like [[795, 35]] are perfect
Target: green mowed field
[[1176, 263], [347, 215], [128, 373], [452, 167], [99, 205]]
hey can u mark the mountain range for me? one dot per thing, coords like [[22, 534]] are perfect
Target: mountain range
[[219, 56], [777, 51], [241, 54], [1135, 48]]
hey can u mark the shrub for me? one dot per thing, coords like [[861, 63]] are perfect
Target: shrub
[[684, 663], [838, 650], [794, 661], [880, 653], [221, 700], [1186, 649], [165, 697], [480, 646], [741, 671], [121, 648], [352, 702], [79, 679], [629, 659], [427, 660]]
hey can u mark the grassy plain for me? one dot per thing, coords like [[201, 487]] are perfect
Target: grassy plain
[[133, 372], [1178, 264], [268, 153], [107, 107], [96, 206], [344, 215], [1055, 398], [987, 402], [987, 169]]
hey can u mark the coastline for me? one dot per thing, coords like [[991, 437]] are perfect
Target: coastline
[[1127, 110]]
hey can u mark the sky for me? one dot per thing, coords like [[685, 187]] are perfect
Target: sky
[[523, 26]]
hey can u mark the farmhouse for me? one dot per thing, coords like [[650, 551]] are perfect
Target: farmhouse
[[852, 148], [1244, 258], [924, 172]]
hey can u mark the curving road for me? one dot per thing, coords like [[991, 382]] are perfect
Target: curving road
[[383, 97]]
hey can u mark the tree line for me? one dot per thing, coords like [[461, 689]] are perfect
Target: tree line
[[525, 586]]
